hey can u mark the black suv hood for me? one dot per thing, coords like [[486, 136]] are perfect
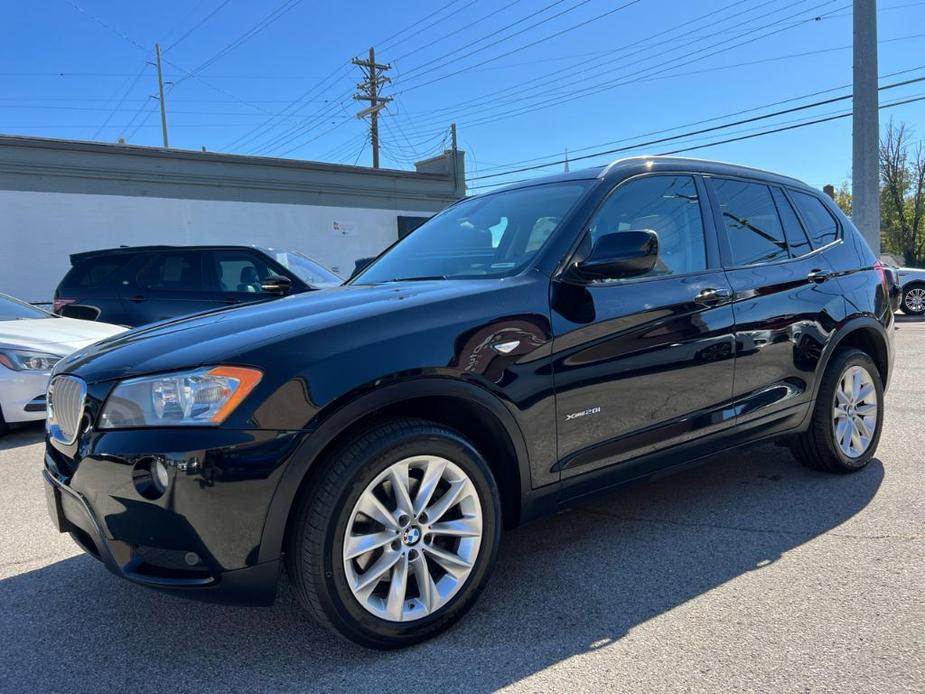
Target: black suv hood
[[231, 335]]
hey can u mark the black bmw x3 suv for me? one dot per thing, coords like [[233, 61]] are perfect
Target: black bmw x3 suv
[[521, 350]]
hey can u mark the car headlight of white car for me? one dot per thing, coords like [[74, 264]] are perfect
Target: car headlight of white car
[[201, 397], [27, 360]]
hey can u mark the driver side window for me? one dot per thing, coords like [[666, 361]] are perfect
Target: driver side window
[[667, 205]]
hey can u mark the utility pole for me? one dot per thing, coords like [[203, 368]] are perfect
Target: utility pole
[[865, 156], [160, 88], [369, 88]]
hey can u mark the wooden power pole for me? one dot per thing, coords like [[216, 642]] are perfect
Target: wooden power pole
[[373, 81]]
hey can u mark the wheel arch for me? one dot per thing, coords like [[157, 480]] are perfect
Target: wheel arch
[[474, 412], [868, 335]]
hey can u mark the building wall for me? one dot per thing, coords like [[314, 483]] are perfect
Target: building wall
[[60, 197], [45, 228]]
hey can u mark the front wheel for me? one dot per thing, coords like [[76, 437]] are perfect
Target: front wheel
[[913, 302], [847, 418], [397, 536]]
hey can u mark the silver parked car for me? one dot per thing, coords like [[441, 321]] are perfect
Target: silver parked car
[[912, 287]]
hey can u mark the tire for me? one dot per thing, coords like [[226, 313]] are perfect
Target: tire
[[818, 447], [914, 295], [4, 427], [333, 504]]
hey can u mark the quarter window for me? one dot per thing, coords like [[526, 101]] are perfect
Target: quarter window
[[822, 227], [667, 205], [752, 226]]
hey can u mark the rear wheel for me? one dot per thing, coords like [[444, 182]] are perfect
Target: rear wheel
[[913, 302], [846, 422], [397, 538]]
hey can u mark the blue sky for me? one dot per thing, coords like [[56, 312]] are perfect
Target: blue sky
[[523, 79]]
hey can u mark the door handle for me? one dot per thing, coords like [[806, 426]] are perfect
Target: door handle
[[712, 295], [818, 276], [136, 298]]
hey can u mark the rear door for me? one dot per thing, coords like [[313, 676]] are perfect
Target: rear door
[[644, 363], [172, 283], [786, 299]]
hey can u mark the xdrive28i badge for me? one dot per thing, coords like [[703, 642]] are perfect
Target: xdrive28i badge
[[583, 413]]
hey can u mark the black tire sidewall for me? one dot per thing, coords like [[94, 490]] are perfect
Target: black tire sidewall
[[827, 399], [337, 600]]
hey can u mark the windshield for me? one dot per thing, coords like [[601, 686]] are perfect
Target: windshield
[[493, 235], [14, 309], [306, 269]]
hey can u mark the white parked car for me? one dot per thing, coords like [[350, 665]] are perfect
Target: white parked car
[[31, 342]]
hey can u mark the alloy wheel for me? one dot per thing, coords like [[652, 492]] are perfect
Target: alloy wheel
[[854, 416], [412, 538], [915, 299]]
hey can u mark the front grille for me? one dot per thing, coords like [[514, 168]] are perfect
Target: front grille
[[66, 396]]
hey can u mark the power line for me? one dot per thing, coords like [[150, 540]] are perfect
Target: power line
[[546, 100], [699, 122], [121, 101], [736, 139], [537, 101], [470, 44], [385, 42], [458, 30], [701, 131], [260, 25], [198, 24]]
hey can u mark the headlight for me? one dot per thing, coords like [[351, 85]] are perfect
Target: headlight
[[203, 397], [24, 360]]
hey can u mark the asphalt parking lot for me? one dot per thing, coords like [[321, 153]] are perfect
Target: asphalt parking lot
[[749, 573]]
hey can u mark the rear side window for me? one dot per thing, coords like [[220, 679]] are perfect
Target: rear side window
[[793, 230], [179, 271], [93, 272], [822, 227], [752, 225]]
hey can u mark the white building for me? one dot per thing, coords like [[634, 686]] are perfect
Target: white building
[[59, 197]]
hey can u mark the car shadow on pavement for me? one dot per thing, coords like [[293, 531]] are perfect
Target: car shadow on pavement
[[23, 436], [563, 586]]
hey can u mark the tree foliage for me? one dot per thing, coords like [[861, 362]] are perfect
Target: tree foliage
[[902, 194]]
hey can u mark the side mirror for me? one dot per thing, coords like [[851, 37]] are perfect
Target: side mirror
[[274, 284], [618, 255]]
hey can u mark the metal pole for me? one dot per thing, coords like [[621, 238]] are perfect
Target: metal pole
[[160, 87], [865, 159]]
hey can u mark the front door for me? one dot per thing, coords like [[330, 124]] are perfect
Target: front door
[[645, 363]]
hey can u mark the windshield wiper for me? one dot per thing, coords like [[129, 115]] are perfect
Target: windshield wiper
[[421, 278]]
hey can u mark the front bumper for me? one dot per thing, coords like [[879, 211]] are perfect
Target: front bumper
[[22, 395], [202, 537]]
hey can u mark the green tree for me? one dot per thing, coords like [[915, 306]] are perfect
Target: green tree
[[902, 194]]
